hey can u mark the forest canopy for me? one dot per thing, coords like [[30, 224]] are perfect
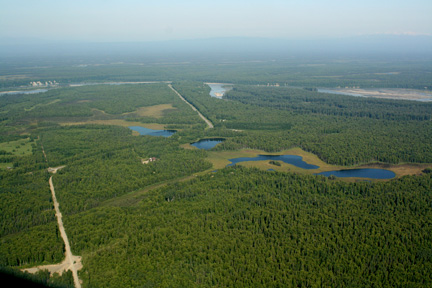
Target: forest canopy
[[175, 221]]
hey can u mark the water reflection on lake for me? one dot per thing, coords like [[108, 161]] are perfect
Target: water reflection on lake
[[207, 144], [297, 161], [289, 159], [218, 89], [361, 173], [152, 132]]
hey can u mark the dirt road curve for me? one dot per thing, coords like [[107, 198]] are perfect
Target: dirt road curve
[[209, 124], [71, 262]]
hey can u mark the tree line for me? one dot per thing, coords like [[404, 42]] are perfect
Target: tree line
[[245, 227]]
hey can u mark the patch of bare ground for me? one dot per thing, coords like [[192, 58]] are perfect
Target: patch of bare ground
[[58, 268], [100, 117], [388, 93], [55, 169], [156, 111], [117, 122]]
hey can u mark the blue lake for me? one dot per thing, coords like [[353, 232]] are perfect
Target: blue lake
[[151, 132], [298, 162], [361, 173], [218, 89], [207, 144], [289, 159]]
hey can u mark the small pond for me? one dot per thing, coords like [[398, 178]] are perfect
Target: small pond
[[290, 159], [151, 132], [218, 89], [207, 144], [361, 173]]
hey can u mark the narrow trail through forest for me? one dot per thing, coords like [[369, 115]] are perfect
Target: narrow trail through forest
[[209, 124], [71, 262]]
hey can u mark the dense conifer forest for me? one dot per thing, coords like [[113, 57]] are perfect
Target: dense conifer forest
[[339, 129], [175, 221]]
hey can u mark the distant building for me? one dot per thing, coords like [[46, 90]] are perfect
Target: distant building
[[146, 161]]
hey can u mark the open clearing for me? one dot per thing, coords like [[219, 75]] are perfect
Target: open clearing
[[156, 111], [20, 147], [6, 165], [117, 122]]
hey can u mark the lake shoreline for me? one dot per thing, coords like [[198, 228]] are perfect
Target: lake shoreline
[[218, 90], [220, 159]]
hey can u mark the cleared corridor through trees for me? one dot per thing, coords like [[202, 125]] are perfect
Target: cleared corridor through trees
[[209, 124]]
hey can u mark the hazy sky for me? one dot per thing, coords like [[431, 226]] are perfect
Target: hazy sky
[[133, 20]]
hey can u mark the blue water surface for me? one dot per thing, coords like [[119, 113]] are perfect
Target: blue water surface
[[207, 144], [361, 173], [289, 159], [151, 132]]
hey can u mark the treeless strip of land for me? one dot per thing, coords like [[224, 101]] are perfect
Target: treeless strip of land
[[209, 124], [71, 261]]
